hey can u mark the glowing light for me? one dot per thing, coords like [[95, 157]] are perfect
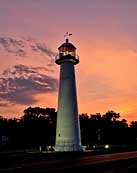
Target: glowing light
[[106, 146], [94, 146]]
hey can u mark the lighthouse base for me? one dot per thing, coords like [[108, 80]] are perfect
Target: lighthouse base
[[68, 148]]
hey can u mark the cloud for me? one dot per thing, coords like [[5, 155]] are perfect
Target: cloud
[[44, 49], [24, 46], [21, 84], [11, 45]]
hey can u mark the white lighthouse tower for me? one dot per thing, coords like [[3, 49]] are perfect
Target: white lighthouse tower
[[68, 136]]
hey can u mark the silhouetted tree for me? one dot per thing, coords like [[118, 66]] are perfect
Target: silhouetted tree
[[84, 126], [101, 129], [133, 132], [39, 126]]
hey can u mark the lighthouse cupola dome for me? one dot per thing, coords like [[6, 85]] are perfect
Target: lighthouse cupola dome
[[67, 53], [67, 48]]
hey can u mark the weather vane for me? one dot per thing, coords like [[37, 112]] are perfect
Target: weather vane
[[67, 35]]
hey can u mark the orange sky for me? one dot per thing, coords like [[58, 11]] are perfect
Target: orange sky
[[104, 33]]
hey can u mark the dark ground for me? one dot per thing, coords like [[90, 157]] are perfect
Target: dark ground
[[66, 162]]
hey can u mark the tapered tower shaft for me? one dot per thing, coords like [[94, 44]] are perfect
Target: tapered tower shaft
[[68, 131]]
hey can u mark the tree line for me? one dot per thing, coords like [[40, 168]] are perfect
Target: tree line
[[37, 127]]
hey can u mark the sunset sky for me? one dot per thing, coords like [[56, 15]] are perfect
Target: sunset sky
[[105, 34]]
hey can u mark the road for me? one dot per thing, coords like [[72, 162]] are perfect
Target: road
[[69, 164]]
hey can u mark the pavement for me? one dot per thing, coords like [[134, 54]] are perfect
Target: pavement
[[68, 162]]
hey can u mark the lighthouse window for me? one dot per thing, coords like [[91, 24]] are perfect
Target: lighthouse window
[[59, 134]]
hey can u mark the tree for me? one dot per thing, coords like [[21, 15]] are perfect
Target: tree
[[39, 126], [111, 116]]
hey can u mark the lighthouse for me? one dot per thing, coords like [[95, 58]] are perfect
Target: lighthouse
[[68, 138]]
